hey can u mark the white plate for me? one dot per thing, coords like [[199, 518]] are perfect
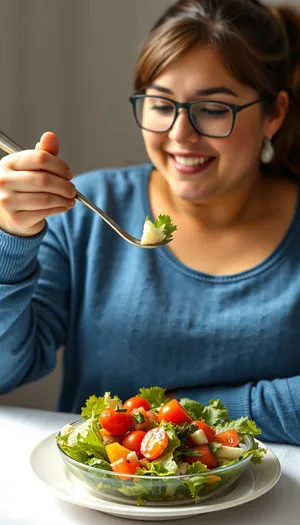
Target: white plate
[[49, 467]]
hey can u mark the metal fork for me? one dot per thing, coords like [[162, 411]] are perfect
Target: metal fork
[[9, 146]]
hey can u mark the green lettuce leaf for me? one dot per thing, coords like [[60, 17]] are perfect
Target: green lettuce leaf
[[98, 463], [213, 414], [163, 466], [174, 441], [73, 451], [196, 483], [141, 501], [84, 442], [258, 453], [243, 426], [155, 395], [93, 407], [197, 468], [133, 490], [164, 224]]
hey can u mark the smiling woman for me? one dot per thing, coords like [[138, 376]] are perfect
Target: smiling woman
[[213, 315]]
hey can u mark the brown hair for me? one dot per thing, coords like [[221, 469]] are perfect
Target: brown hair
[[260, 47]]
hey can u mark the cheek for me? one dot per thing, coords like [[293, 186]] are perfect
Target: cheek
[[153, 142], [242, 146]]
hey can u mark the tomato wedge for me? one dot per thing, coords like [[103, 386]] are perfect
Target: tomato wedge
[[173, 412], [154, 443], [230, 438], [209, 432], [206, 456], [116, 422], [152, 418], [136, 402]]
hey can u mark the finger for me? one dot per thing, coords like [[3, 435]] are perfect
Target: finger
[[40, 181], [37, 201], [36, 160], [28, 219], [38, 146], [49, 142]]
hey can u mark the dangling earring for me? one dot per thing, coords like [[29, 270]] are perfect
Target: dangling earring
[[268, 151]]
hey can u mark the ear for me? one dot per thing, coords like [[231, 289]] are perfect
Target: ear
[[274, 120]]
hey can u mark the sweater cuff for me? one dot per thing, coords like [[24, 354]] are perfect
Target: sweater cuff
[[18, 255], [236, 399]]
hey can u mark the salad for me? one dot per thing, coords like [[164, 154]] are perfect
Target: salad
[[152, 435], [157, 231]]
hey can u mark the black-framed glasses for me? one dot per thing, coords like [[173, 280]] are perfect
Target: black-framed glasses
[[210, 118]]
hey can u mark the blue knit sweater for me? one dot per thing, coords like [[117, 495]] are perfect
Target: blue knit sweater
[[130, 317]]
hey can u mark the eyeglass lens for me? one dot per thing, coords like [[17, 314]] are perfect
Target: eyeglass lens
[[210, 118]]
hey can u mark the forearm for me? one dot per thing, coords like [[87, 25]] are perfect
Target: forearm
[[30, 331], [274, 405]]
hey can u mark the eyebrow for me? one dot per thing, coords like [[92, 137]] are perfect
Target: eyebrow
[[201, 92]]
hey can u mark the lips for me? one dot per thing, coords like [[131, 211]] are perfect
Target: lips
[[190, 163]]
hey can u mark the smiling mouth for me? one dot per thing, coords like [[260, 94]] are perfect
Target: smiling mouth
[[190, 161], [190, 164]]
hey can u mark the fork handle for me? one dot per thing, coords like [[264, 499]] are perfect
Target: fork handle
[[8, 145]]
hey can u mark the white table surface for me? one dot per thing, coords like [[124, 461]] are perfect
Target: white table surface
[[24, 500]]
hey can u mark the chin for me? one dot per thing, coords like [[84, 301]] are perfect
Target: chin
[[189, 194]]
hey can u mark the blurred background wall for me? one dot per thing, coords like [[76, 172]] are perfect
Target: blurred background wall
[[67, 66]]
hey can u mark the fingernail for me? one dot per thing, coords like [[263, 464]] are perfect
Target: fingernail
[[74, 189], [69, 174]]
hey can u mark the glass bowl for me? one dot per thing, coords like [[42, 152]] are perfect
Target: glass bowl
[[157, 490]]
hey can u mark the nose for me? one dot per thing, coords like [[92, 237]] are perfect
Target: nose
[[182, 130]]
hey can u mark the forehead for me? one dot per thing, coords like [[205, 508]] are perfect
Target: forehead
[[201, 68]]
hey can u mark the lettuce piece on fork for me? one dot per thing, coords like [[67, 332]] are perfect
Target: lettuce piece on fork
[[157, 231]]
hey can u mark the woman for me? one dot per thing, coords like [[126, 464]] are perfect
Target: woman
[[216, 313]]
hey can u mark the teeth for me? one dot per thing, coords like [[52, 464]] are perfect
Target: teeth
[[191, 161]]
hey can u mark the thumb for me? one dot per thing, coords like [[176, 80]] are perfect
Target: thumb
[[48, 142]]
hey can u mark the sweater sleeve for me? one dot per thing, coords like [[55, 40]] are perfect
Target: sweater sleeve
[[273, 405], [34, 292]]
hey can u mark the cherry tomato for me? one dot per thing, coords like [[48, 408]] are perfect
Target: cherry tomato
[[154, 443], [136, 402], [133, 440], [116, 422], [206, 457], [208, 431], [173, 412], [230, 438], [124, 466]]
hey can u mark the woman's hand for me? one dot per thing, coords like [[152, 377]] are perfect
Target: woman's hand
[[34, 184]]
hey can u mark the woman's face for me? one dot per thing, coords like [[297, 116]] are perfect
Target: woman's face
[[227, 163]]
